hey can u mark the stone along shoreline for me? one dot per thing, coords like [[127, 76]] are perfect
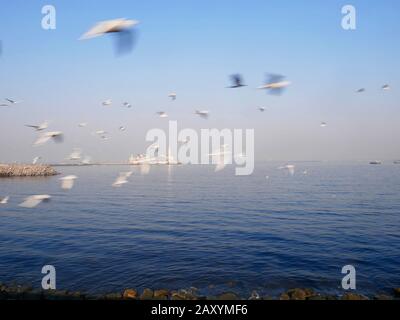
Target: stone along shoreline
[[21, 292], [26, 170]]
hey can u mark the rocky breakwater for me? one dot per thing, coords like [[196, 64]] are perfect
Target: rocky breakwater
[[26, 170]]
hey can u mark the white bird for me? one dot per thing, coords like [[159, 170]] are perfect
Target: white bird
[[162, 114], [13, 101], [75, 155], [324, 124], [68, 182], [186, 141], [172, 95], [145, 168], [39, 127], [386, 87], [87, 160], [122, 179], [100, 132], [122, 128], [127, 105], [107, 103], [123, 28], [82, 124], [275, 84], [221, 163], [57, 136], [33, 201], [262, 109], [36, 159], [203, 114], [4, 200], [237, 81], [290, 168]]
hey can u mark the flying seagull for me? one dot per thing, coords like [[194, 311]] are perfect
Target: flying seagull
[[203, 114], [39, 127], [237, 81], [122, 179], [86, 160], [36, 159], [4, 200], [162, 114], [33, 201], [261, 109], [68, 182], [57, 136], [127, 105], [221, 164], [107, 103], [275, 84], [324, 124], [122, 28], [386, 87], [290, 168], [82, 124], [75, 155], [360, 90], [122, 128], [172, 95], [13, 101]]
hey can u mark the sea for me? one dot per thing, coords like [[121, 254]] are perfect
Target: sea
[[182, 227]]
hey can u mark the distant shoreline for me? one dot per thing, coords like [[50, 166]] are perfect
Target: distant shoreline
[[21, 292]]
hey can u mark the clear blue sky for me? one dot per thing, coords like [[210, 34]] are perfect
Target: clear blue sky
[[191, 47]]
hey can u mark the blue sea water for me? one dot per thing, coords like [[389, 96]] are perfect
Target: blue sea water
[[184, 226]]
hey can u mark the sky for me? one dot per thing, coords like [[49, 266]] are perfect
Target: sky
[[191, 47]]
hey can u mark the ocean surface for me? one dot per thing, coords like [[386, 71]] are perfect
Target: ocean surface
[[187, 226]]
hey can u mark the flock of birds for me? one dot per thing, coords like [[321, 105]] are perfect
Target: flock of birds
[[124, 32]]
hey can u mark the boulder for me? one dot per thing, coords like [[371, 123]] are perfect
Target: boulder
[[130, 294], [147, 294], [353, 296]]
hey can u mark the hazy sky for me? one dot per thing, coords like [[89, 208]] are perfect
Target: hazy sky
[[192, 47]]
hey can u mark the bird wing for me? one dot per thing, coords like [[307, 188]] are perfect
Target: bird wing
[[42, 139], [125, 40], [274, 78], [30, 202], [32, 126], [236, 79], [67, 183], [59, 137], [100, 29], [276, 91]]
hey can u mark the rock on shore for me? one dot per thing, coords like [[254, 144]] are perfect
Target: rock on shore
[[26, 170]]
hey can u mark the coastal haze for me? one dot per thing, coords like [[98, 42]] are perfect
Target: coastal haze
[[326, 182], [191, 48]]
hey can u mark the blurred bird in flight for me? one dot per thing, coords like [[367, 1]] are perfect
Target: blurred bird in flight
[[237, 81], [33, 201], [67, 182], [57, 136], [123, 30], [275, 84], [39, 127]]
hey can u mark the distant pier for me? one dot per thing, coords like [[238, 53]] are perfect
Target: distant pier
[[26, 170]]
